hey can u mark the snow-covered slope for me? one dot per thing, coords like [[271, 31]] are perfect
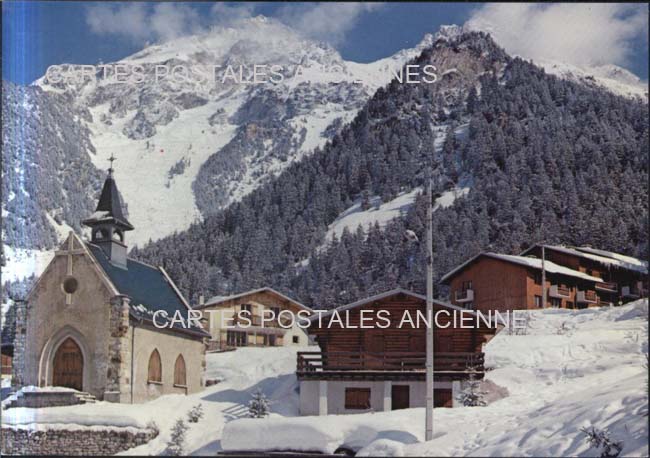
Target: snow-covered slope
[[164, 132], [572, 369], [611, 77]]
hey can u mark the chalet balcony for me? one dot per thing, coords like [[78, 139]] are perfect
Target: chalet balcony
[[559, 291], [634, 291], [256, 321], [607, 286], [466, 295], [587, 297], [386, 366]]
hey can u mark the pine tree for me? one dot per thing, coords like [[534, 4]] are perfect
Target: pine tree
[[258, 407], [472, 395], [176, 443], [599, 439], [194, 415]]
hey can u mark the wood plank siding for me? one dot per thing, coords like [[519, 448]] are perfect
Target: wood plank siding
[[392, 348]]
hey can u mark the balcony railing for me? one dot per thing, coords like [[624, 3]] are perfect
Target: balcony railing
[[256, 321], [587, 296], [607, 286], [559, 291], [466, 295], [634, 291], [315, 361]]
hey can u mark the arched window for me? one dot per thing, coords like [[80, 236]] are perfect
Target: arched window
[[179, 372], [155, 368], [100, 234], [117, 235]]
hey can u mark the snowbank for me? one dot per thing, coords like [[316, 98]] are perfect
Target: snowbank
[[323, 434], [572, 369]]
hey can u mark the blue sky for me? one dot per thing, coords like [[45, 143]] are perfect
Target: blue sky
[[39, 34]]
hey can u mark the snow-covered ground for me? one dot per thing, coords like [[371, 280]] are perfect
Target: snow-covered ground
[[378, 212], [22, 263], [572, 369], [242, 372]]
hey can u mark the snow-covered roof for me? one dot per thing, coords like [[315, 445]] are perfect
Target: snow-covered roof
[[215, 300], [621, 260], [98, 216], [386, 294], [607, 258], [535, 263]]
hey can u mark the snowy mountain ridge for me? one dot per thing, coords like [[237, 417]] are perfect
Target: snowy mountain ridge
[[164, 133], [610, 77], [187, 150]]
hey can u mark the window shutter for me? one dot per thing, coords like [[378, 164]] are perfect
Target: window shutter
[[155, 368], [179, 371]]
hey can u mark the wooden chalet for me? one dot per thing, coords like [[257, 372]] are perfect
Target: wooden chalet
[[492, 281], [236, 320], [624, 278], [359, 370]]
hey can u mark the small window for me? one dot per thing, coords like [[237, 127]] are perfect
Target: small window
[[295, 339], [538, 301], [466, 285], [117, 235], [70, 285], [236, 338], [537, 277], [179, 372], [357, 398], [276, 312], [101, 234], [247, 308], [155, 368], [556, 302]]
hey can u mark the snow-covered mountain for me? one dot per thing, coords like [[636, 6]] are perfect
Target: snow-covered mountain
[[188, 148], [611, 77]]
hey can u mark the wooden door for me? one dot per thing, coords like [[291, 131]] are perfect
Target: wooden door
[[442, 398], [68, 365], [400, 397]]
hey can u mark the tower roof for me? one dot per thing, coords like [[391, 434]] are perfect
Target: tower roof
[[109, 208]]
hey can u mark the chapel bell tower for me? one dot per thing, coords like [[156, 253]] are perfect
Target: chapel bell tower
[[108, 224]]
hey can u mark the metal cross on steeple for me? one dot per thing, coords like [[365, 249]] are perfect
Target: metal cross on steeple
[[110, 169]]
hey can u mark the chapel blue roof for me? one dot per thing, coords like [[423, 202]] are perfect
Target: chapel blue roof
[[147, 286]]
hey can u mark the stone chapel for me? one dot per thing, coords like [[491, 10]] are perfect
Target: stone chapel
[[87, 323]]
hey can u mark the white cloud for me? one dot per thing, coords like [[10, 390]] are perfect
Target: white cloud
[[581, 34], [134, 21], [224, 14], [326, 21], [128, 20]]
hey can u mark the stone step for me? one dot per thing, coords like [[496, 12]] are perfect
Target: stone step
[[41, 399]]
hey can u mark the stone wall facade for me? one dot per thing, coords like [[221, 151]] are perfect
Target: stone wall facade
[[118, 375], [18, 362], [80, 442], [169, 345]]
